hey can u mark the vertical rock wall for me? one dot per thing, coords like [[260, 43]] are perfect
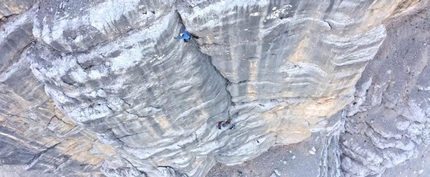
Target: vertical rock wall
[[288, 64], [389, 120], [34, 133], [125, 98]]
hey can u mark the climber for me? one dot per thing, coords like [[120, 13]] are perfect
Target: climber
[[223, 124], [185, 36]]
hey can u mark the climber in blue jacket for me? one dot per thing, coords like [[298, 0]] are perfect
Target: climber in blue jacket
[[224, 124], [185, 36]]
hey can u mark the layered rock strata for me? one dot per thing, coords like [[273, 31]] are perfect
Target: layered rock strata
[[124, 96], [388, 122]]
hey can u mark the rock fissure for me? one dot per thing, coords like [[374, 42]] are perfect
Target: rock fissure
[[277, 70], [134, 167], [33, 161]]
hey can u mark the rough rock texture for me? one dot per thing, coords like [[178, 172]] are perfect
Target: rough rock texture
[[124, 98], [389, 120], [17, 171], [34, 133], [13, 7], [315, 156]]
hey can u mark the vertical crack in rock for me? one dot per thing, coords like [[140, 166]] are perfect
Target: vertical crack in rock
[[209, 58], [160, 97], [36, 158], [330, 161], [279, 67], [135, 168], [227, 82]]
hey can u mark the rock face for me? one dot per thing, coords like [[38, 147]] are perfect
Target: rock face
[[385, 126], [14, 7], [34, 132], [124, 98], [389, 119]]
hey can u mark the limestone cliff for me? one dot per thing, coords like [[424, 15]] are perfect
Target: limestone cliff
[[103, 88], [388, 122]]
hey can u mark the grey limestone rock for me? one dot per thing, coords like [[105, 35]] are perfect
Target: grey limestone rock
[[14, 7], [103, 88], [76, 26], [35, 135], [159, 100], [388, 122]]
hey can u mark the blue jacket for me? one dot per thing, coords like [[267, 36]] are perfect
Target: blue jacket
[[184, 36]]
